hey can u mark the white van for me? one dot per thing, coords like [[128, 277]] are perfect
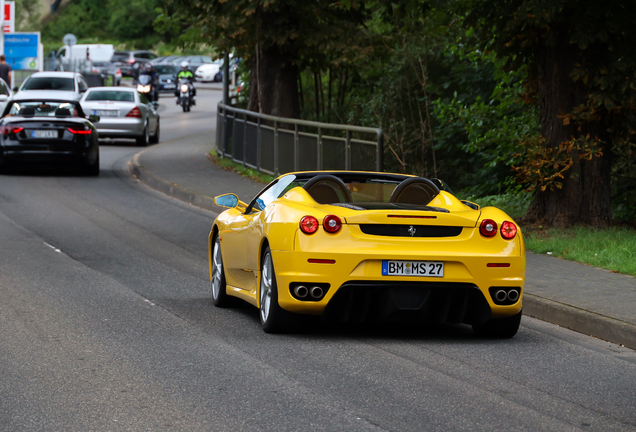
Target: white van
[[76, 56]]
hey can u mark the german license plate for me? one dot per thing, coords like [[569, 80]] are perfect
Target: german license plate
[[413, 268], [169, 86], [106, 113], [44, 134]]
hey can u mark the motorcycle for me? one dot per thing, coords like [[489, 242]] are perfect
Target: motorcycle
[[147, 86], [185, 94]]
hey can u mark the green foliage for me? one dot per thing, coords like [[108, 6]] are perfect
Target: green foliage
[[129, 23], [514, 203], [490, 128], [593, 42]]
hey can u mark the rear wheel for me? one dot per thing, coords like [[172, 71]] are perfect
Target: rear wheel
[[274, 319], [92, 169], [155, 138], [499, 328], [144, 139]]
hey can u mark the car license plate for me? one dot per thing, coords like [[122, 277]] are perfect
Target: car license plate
[[169, 86], [413, 268], [44, 134], [106, 113]]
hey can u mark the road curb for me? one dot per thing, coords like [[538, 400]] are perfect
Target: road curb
[[580, 320], [171, 189]]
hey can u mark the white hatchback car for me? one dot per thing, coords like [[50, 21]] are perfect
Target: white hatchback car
[[55, 85], [123, 113], [208, 71]]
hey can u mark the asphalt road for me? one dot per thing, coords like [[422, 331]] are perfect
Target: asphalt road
[[106, 323]]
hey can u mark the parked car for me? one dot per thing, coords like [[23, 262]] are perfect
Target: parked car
[[367, 247], [55, 85], [209, 71], [108, 68], [194, 61], [130, 62], [166, 60], [5, 94], [124, 113], [45, 129], [166, 76]]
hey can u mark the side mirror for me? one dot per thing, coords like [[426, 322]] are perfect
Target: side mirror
[[15, 89], [94, 118], [227, 200]]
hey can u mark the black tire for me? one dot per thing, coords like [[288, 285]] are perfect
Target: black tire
[[218, 284], [92, 170], [144, 139], [274, 319], [499, 328], [184, 106], [155, 138]]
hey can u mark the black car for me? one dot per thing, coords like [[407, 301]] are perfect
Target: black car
[[166, 77], [47, 130], [130, 62]]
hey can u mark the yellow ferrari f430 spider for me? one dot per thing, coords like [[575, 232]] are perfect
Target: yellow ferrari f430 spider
[[364, 247]]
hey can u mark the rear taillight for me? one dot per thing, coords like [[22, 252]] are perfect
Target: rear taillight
[[135, 112], [508, 230], [488, 228], [11, 130], [118, 72], [309, 224], [331, 223], [77, 131]]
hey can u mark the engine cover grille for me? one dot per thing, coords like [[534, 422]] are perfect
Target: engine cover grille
[[391, 230]]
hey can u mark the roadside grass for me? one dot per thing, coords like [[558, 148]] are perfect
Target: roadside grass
[[611, 248], [229, 165]]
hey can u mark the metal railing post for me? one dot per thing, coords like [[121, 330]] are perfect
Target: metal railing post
[[380, 151], [258, 145], [244, 138], [348, 150], [276, 148], [296, 149], [319, 148], [224, 130]]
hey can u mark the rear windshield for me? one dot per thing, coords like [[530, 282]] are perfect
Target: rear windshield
[[44, 109], [50, 83], [111, 95]]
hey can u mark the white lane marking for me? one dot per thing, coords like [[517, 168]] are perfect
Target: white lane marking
[[53, 247]]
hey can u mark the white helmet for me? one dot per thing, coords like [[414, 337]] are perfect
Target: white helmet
[[184, 64]]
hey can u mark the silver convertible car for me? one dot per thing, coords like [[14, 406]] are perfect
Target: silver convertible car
[[123, 113]]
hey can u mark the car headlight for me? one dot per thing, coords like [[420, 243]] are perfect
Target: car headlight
[[184, 88]]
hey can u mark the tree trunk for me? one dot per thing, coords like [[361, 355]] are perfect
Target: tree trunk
[[274, 84], [585, 196]]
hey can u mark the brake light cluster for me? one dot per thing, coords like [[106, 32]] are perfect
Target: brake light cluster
[[6, 130], [77, 131], [135, 112], [331, 224], [488, 228]]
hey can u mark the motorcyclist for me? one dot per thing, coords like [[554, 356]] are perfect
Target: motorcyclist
[[187, 74], [147, 69]]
